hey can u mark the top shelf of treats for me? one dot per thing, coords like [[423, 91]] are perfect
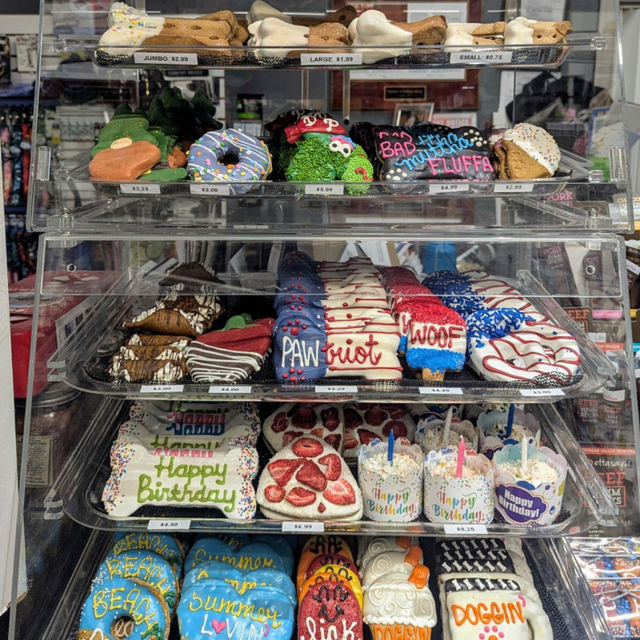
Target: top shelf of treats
[[266, 38]]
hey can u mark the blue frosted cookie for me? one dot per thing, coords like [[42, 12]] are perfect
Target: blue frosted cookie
[[122, 608], [250, 557], [214, 610], [163, 544], [148, 567]]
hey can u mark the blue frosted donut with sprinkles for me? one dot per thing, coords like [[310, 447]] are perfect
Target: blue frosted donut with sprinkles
[[228, 155]]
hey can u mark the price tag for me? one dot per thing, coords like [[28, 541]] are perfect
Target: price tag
[[513, 187], [302, 527], [331, 188], [229, 389], [148, 188], [209, 189], [441, 391], [481, 57], [449, 187], [465, 529], [335, 59], [169, 525], [541, 393], [336, 389], [182, 59], [162, 388]]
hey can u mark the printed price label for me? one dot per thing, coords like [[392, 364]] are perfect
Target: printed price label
[[334, 189], [513, 187], [140, 189], [322, 59], [481, 57], [449, 187], [541, 393], [209, 189], [465, 529], [230, 389], [162, 388], [183, 59], [303, 527], [336, 389], [441, 391], [169, 525]]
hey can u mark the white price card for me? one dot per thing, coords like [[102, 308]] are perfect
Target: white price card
[[148, 188], [209, 189], [230, 389], [465, 529], [541, 393], [169, 525], [335, 388], [335, 59], [448, 187], [513, 187], [303, 527], [159, 57], [330, 189], [481, 57], [441, 391], [162, 388]]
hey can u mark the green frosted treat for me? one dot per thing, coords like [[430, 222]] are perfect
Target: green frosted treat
[[205, 112], [165, 142], [160, 118], [124, 126], [315, 161], [122, 111], [165, 175]]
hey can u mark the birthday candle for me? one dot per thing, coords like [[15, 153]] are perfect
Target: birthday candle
[[460, 457]]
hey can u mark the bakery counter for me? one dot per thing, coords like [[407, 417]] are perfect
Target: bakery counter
[[92, 488]]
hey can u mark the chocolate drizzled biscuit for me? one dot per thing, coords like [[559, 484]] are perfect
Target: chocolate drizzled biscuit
[[191, 276], [147, 370]]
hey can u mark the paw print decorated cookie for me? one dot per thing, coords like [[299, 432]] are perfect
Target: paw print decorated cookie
[[309, 480]]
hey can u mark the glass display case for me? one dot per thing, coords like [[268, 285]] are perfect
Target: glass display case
[[431, 252]]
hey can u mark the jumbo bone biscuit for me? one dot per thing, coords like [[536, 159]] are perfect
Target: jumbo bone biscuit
[[223, 16], [431, 30], [195, 478], [344, 16], [196, 28]]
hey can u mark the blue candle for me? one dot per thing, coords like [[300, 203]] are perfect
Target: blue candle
[[512, 410], [390, 447]]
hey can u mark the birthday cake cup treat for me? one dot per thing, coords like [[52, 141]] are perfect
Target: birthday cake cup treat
[[499, 428], [390, 478], [458, 488], [530, 483], [433, 434]]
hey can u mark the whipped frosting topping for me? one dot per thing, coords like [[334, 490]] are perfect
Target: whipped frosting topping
[[537, 472], [403, 465], [448, 466]]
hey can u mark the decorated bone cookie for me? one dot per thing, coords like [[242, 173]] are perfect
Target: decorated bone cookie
[[190, 477], [124, 608], [290, 421], [309, 480], [236, 422], [213, 608], [391, 561]]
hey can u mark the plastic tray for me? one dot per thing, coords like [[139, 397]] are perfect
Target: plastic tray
[[82, 362], [79, 490]]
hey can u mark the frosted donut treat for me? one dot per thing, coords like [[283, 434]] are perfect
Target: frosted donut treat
[[228, 155]]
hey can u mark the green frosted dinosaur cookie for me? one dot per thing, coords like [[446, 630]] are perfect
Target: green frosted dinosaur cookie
[[130, 126]]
